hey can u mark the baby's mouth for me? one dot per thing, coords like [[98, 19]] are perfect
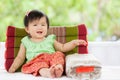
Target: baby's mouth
[[39, 32]]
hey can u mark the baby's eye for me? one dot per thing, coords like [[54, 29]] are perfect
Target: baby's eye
[[42, 25], [35, 25]]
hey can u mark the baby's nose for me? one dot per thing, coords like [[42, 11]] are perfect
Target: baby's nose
[[40, 27]]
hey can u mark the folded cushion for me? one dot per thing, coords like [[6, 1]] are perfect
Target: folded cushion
[[83, 66]]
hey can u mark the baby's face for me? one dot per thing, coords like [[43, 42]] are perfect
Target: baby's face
[[37, 28]]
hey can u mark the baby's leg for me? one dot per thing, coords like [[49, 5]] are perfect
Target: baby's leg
[[47, 72], [57, 62], [58, 70]]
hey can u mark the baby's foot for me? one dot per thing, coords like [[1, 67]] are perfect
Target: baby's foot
[[52, 72], [58, 70], [46, 72]]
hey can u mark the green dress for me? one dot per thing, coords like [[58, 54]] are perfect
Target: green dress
[[35, 48]]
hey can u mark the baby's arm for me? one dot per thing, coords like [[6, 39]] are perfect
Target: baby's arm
[[69, 45], [18, 60]]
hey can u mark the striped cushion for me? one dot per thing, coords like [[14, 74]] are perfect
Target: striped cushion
[[64, 34]]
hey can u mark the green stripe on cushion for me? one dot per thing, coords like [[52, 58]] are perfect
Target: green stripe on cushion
[[17, 41], [20, 32], [18, 70], [15, 51], [71, 52], [70, 31], [74, 32]]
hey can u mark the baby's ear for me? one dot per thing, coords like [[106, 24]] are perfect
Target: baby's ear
[[26, 29]]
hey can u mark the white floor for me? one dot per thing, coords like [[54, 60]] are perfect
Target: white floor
[[108, 73], [20, 76]]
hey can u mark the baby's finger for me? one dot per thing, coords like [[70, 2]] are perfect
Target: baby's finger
[[82, 42], [85, 43]]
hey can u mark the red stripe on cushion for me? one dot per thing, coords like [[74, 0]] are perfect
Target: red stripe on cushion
[[83, 69], [10, 31], [83, 50], [8, 63], [82, 32], [82, 29], [9, 53], [10, 42]]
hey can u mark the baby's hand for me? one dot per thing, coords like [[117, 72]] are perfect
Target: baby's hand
[[79, 42], [11, 70]]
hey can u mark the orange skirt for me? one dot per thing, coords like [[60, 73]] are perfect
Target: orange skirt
[[44, 60]]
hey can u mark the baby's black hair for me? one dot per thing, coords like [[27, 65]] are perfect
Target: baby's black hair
[[33, 15]]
